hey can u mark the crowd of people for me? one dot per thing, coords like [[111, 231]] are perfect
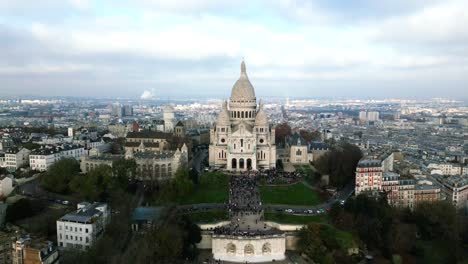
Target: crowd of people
[[234, 230], [244, 196], [274, 176]]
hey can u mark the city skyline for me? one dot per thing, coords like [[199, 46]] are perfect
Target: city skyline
[[157, 49]]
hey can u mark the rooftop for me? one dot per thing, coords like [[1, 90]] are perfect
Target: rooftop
[[368, 163], [149, 134], [85, 215]]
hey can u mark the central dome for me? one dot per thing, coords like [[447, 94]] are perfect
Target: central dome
[[243, 89]]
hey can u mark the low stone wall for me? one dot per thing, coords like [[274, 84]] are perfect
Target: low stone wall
[[254, 249], [284, 227], [206, 241], [290, 240], [207, 227]]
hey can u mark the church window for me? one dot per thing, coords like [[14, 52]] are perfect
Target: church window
[[223, 129], [261, 140], [242, 143], [250, 114], [242, 114], [223, 140], [249, 146], [234, 146], [298, 152]]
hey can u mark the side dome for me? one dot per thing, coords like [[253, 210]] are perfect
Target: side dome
[[243, 89], [261, 119], [223, 117]]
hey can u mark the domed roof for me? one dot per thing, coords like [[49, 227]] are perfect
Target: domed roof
[[223, 118], [243, 89], [261, 119]]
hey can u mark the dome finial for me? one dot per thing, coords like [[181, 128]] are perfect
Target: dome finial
[[243, 69]]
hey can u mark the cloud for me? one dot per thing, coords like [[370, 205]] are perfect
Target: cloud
[[148, 95], [196, 48]]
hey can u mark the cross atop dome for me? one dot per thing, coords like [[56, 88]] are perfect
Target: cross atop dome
[[243, 69], [242, 89]]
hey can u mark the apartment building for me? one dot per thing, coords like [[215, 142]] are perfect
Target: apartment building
[[80, 229]]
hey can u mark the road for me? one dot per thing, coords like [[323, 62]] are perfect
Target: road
[[343, 194], [197, 161]]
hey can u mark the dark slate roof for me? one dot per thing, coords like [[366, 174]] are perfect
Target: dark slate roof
[[297, 140], [368, 163], [84, 215], [149, 134], [180, 123], [318, 145], [146, 144]]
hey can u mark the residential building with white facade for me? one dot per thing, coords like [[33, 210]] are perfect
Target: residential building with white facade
[[448, 169], [41, 159], [455, 188], [6, 185], [16, 158], [80, 229], [369, 176]]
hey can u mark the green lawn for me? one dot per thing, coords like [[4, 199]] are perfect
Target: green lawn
[[344, 239], [209, 217], [213, 188], [294, 219], [297, 194]]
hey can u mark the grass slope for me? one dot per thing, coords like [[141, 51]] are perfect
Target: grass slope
[[297, 194]]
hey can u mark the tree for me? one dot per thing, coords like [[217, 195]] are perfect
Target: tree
[[172, 240], [340, 164], [23, 208], [60, 174], [281, 132], [309, 136], [124, 170], [95, 185]]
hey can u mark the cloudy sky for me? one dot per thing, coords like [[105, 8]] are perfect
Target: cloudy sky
[[182, 48]]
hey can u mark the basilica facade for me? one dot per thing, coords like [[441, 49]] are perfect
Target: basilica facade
[[242, 138]]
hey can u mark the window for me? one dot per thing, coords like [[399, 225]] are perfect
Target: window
[[87, 239], [86, 230]]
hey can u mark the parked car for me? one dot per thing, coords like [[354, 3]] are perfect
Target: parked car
[[288, 210]]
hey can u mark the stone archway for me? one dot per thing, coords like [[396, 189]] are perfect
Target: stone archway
[[249, 164], [249, 250], [266, 249], [231, 249], [241, 163], [234, 164]]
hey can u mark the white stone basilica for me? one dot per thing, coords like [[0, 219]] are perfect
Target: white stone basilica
[[242, 138]]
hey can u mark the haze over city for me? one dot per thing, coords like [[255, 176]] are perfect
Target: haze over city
[[243, 131], [161, 49]]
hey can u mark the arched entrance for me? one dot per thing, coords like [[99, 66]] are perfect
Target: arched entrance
[[249, 250], [241, 163], [266, 249], [234, 164], [231, 249], [249, 164]]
